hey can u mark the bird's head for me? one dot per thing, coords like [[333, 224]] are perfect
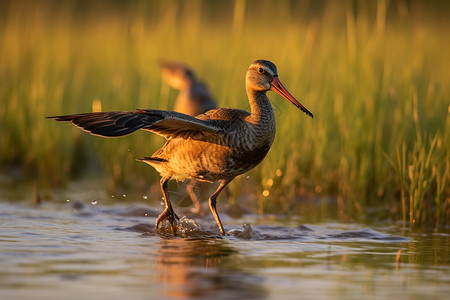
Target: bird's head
[[262, 75]]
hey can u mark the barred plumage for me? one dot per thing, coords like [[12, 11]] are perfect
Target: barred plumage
[[217, 145]]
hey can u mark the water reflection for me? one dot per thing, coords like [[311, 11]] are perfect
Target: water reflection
[[202, 267], [113, 252]]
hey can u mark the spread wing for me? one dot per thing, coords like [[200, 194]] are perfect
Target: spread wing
[[168, 124]]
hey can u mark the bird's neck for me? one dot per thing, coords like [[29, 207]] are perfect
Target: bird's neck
[[262, 117], [260, 108]]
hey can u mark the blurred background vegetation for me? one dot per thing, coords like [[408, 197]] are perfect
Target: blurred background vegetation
[[374, 73]]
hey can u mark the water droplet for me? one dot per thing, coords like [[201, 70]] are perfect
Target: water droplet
[[124, 195], [146, 215], [265, 193], [145, 197], [94, 202], [112, 196], [247, 177], [68, 200], [162, 203]]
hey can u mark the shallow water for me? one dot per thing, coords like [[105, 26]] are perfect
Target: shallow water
[[110, 251]]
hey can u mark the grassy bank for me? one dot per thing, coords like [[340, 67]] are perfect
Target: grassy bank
[[374, 73]]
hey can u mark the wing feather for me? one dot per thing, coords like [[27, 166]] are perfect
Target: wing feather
[[165, 123]]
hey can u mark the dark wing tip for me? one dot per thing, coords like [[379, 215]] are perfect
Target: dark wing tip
[[61, 118]]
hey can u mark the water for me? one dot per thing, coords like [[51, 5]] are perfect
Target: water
[[73, 250]]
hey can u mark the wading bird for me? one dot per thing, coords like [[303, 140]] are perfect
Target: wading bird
[[215, 146], [193, 99]]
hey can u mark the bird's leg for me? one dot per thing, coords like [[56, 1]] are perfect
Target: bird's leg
[[168, 213], [212, 204], [191, 192]]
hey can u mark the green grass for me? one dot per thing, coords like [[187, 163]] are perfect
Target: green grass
[[374, 73]]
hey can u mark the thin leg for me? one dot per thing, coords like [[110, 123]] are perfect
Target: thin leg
[[191, 192], [168, 213], [212, 204]]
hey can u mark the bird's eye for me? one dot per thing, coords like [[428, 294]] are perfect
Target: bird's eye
[[260, 70]]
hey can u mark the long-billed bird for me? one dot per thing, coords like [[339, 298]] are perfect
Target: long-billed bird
[[215, 146], [193, 99]]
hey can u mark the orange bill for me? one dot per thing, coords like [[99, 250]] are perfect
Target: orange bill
[[279, 88]]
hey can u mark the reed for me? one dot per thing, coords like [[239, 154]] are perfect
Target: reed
[[423, 172], [374, 73]]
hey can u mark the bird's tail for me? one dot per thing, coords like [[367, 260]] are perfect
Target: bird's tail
[[152, 160]]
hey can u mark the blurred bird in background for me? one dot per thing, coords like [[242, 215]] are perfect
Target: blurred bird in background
[[193, 99]]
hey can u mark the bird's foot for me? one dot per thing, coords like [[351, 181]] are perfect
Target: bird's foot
[[168, 215], [196, 210]]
